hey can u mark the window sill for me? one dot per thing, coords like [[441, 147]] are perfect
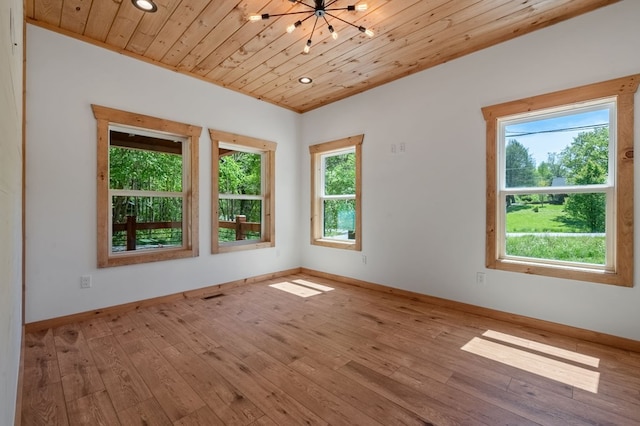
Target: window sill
[[572, 273], [133, 257], [345, 245], [240, 246]]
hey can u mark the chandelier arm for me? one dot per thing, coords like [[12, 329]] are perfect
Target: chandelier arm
[[290, 13], [310, 16], [314, 28], [340, 19], [336, 8]]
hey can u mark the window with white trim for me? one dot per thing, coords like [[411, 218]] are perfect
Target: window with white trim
[[336, 193], [559, 183]]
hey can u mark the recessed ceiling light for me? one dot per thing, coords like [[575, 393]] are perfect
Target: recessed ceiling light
[[305, 80], [145, 5]]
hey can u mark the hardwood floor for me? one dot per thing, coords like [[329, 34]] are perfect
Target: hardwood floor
[[258, 355]]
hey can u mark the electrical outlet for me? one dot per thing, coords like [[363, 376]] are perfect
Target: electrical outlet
[[393, 148], [85, 281], [481, 278], [403, 147]]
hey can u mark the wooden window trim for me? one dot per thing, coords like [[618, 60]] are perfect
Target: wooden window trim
[[269, 225], [316, 152], [623, 89], [106, 116]]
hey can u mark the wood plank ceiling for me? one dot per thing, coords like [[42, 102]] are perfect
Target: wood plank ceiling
[[214, 41]]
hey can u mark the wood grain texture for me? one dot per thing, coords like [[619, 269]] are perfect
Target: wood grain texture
[[348, 356], [621, 90], [214, 41]]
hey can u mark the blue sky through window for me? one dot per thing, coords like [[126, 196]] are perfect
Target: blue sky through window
[[550, 135]]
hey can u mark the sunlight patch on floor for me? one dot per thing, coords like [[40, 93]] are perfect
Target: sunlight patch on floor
[[298, 290], [535, 363], [302, 288], [313, 285], [541, 347]]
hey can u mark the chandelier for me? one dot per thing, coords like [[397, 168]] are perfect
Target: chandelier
[[320, 9]]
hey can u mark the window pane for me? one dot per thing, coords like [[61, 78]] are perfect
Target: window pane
[[340, 174], [239, 173], [557, 227], [141, 223], [339, 219], [157, 168], [239, 220], [572, 149]]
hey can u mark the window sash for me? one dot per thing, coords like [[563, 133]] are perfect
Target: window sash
[[608, 188], [266, 150], [610, 234], [323, 172]]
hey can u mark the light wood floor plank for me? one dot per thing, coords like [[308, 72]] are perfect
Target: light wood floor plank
[[173, 393], [92, 410], [144, 413], [256, 355], [121, 378]]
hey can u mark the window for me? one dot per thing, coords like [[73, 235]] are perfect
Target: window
[[243, 182], [560, 183], [336, 193], [147, 188]]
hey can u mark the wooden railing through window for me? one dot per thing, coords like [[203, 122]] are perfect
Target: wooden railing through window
[[131, 226], [241, 226]]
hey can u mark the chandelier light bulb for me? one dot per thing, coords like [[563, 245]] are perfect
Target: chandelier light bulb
[[291, 28], [321, 12]]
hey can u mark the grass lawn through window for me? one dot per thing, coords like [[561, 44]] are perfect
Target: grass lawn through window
[[539, 233]]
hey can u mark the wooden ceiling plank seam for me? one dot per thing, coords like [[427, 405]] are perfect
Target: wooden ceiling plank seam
[[404, 18], [124, 24], [498, 35], [434, 18], [236, 36], [49, 11], [217, 37], [217, 44], [256, 47], [150, 25], [283, 43], [74, 15], [409, 51], [179, 21], [198, 30], [124, 52], [292, 59], [451, 24], [532, 23], [100, 19], [376, 58], [278, 70]]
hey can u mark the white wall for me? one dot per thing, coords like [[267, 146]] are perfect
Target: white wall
[[64, 77], [10, 206], [435, 193], [437, 187]]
